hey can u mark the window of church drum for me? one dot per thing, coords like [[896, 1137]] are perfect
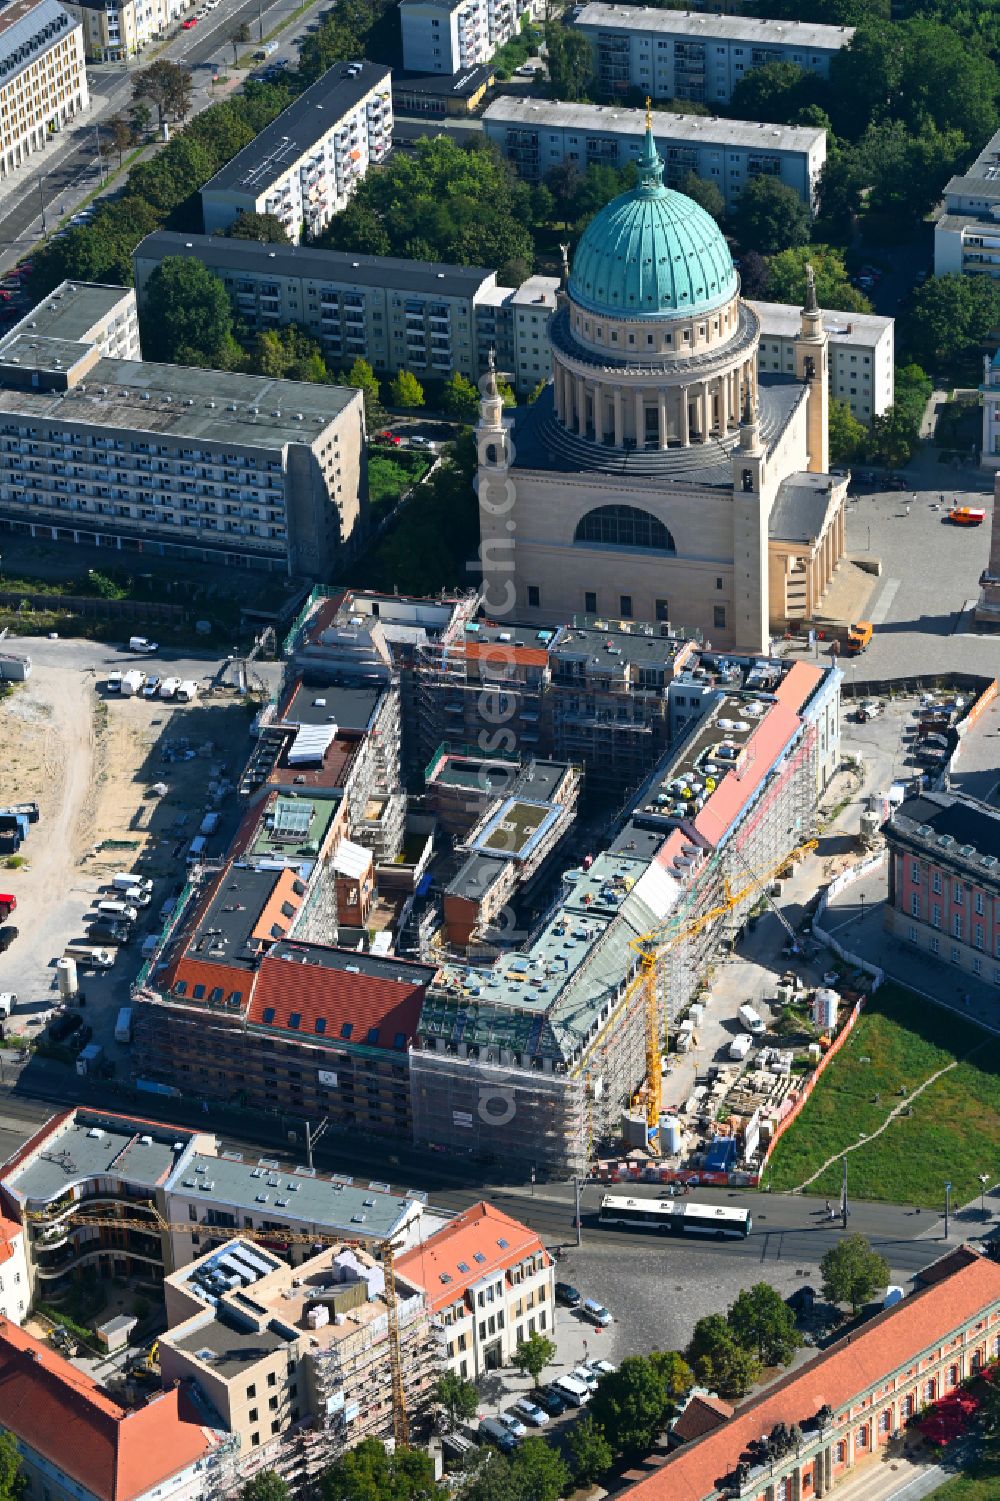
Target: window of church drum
[[624, 526]]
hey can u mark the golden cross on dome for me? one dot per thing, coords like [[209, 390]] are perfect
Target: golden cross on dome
[[649, 113]]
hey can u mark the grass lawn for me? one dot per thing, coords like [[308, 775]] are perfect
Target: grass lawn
[[953, 1133], [979, 1482], [392, 471]]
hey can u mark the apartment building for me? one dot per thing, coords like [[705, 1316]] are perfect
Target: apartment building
[[489, 1284], [843, 1414], [862, 358], [296, 1361], [425, 316], [534, 1058], [15, 1293], [305, 165], [115, 30], [77, 1189], [671, 54], [967, 235], [508, 851], [452, 36], [43, 78], [74, 1441], [536, 135], [944, 881], [102, 448]]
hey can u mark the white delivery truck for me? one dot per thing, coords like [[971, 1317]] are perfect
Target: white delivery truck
[[118, 911], [187, 690], [142, 644], [740, 1046], [113, 682], [169, 687], [125, 880], [89, 956], [132, 682], [123, 1026], [753, 1023]]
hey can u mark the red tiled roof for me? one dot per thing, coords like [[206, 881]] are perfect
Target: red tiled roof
[[64, 1416], [795, 689], [505, 651], [853, 1365], [9, 1232], [735, 790], [316, 990], [703, 1414], [477, 1231]]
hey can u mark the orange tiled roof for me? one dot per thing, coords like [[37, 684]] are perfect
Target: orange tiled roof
[[703, 1414], [475, 1233], [64, 1416], [318, 991], [505, 651], [853, 1365], [274, 917]]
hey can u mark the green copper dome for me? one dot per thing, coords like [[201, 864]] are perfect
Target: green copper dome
[[652, 253]]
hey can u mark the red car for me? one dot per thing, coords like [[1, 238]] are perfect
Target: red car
[[189, 23], [388, 437]]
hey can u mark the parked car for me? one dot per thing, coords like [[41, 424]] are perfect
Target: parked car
[[529, 1412], [493, 1432], [549, 1400], [596, 1313], [869, 708], [587, 1376], [601, 1367], [189, 24], [567, 1295], [512, 1423], [7, 935], [388, 437], [151, 688]]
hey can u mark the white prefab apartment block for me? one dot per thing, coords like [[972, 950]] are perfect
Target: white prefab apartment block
[[862, 354], [428, 317], [100, 448], [536, 135], [967, 236], [448, 36], [672, 54], [305, 165], [43, 78], [114, 30]]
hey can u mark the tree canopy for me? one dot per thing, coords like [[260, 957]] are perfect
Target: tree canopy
[[771, 217], [630, 1405], [368, 1473], [763, 1323], [12, 1477], [950, 316], [265, 1486], [590, 1453], [457, 1397], [187, 318], [267, 228], [533, 1355], [570, 61], [786, 279], [777, 91], [853, 1271], [719, 1360]]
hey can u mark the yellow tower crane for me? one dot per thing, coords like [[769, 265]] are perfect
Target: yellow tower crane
[[651, 948], [383, 1248]]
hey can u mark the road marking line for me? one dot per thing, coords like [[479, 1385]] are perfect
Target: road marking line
[[886, 598]]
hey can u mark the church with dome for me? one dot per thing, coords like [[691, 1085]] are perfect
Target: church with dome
[[659, 477]]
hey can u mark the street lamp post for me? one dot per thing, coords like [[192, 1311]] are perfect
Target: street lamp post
[[41, 195], [984, 1179], [947, 1208]]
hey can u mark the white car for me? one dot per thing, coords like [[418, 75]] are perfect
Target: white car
[[152, 687], [529, 1412], [601, 1367], [869, 708], [512, 1423], [586, 1375]]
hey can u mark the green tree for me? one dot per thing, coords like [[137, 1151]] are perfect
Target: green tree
[[630, 1405], [368, 1473], [853, 1272], [457, 1396], [989, 1411], [406, 391], [241, 37], [563, 182], [141, 117], [847, 434], [719, 1360], [167, 86], [589, 1451], [771, 217], [895, 436], [121, 133], [570, 61], [538, 1471], [265, 1486], [533, 1355], [705, 193], [786, 275], [949, 318], [830, 12], [289, 353], [506, 392], [362, 377], [187, 317], [763, 1323], [266, 228], [538, 390], [12, 1477], [459, 398], [755, 275], [776, 92], [674, 1371]]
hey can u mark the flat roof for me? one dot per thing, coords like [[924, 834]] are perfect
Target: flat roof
[[611, 646], [516, 828], [348, 708], [800, 507], [182, 402], [718, 28], [297, 129], [984, 171], [540, 780], [292, 828], [510, 109], [93, 1145], [784, 320], [226, 925], [486, 777], [70, 311], [261, 1186], [452, 85], [475, 876], [226, 1347], [311, 263], [970, 830]]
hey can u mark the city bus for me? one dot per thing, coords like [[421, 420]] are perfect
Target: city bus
[[670, 1218]]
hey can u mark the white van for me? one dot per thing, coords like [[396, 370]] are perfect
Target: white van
[[124, 880], [136, 897], [113, 682], [8, 1000], [118, 910], [169, 687], [187, 691], [143, 644], [753, 1023], [577, 1393], [596, 1313], [89, 956]]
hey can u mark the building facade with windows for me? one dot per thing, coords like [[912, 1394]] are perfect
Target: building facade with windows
[[862, 354], [304, 166], [967, 234], [100, 447], [536, 135], [489, 1284], [115, 30], [662, 464], [429, 317], [671, 54], [846, 1410], [43, 78], [944, 881], [452, 36]]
